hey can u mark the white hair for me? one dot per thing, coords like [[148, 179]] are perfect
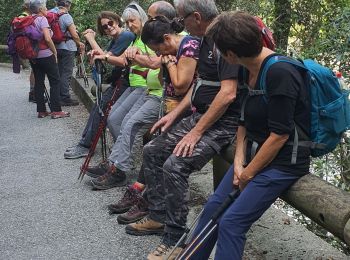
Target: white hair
[[134, 10], [36, 5], [206, 8]]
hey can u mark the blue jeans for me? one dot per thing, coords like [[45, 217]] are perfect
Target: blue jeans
[[254, 200], [93, 122]]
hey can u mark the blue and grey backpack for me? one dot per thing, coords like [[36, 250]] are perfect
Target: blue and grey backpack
[[330, 106]]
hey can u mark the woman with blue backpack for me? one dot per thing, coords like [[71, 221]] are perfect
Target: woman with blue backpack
[[263, 166]]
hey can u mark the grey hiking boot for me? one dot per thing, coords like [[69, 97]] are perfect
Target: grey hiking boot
[[75, 152]]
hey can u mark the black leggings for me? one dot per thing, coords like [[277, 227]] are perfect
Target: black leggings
[[41, 67]]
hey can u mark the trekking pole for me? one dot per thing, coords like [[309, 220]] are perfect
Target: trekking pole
[[188, 233], [202, 236], [101, 126], [83, 71], [100, 69], [46, 94]]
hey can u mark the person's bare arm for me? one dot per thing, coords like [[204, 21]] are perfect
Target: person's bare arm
[[181, 74], [151, 62], [48, 40], [221, 102], [135, 55], [75, 37], [90, 35], [239, 156], [264, 157]]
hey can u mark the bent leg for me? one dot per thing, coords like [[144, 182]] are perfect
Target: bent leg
[[254, 200], [214, 201], [94, 119], [138, 121], [121, 108]]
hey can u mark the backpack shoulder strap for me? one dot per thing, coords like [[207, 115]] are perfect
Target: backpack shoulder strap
[[272, 60]]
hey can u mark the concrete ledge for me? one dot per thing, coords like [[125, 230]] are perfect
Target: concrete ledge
[[82, 92]]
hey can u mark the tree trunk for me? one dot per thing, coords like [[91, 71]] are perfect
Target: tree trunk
[[282, 24]]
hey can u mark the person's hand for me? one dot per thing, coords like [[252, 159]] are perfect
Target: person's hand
[[164, 123], [56, 59], [131, 52], [237, 171], [168, 59], [244, 178], [127, 62], [81, 48], [97, 57], [187, 144], [89, 34]]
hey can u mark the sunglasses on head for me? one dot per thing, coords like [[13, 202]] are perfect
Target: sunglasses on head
[[109, 24]]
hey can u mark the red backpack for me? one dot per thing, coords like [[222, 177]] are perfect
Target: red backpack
[[27, 40], [267, 35], [57, 35]]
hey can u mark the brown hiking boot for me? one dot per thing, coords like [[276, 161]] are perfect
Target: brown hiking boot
[[163, 252], [130, 198], [97, 171], [112, 178], [136, 213], [144, 227]]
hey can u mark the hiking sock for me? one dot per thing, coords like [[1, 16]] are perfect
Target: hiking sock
[[138, 187]]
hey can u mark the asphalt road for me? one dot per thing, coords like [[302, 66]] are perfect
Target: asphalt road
[[45, 213]]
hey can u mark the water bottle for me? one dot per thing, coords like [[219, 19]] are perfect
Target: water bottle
[[341, 80]]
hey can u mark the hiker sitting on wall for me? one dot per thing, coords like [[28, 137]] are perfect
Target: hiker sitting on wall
[[263, 167], [109, 24]]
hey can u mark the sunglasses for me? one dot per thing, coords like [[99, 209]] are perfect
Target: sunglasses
[[107, 25]]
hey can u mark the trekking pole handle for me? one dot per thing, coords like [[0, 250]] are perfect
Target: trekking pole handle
[[227, 202], [99, 66]]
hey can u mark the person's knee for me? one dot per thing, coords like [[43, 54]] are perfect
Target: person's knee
[[149, 150], [234, 223], [170, 165]]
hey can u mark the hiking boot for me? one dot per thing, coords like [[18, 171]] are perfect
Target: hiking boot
[[43, 114], [130, 198], [69, 102], [77, 151], [136, 213], [112, 178], [163, 252], [59, 114], [144, 227], [97, 171]]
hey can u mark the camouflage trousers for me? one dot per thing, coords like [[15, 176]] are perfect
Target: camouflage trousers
[[166, 175]]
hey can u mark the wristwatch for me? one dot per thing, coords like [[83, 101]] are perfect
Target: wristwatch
[[107, 56]]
